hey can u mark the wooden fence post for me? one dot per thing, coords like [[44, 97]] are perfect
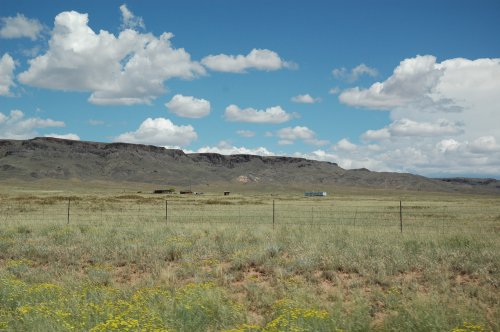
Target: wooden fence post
[[401, 216], [273, 213], [69, 204], [442, 220]]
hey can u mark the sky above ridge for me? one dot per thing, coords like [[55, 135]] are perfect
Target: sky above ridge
[[406, 86]]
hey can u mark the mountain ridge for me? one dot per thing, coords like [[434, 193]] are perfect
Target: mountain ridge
[[47, 157]]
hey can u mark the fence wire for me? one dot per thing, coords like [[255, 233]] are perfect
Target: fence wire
[[391, 215]]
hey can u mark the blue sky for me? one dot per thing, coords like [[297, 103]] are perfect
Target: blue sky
[[407, 86]]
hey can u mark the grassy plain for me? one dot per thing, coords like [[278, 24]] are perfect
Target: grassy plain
[[126, 261]]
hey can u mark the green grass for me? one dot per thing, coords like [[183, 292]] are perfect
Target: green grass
[[119, 265]]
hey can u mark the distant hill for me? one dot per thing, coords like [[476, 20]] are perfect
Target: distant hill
[[41, 158], [473, 182]]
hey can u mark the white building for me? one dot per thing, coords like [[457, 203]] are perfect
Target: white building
[[314, 193]]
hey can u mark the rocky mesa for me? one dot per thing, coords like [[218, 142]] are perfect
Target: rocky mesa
[[66, 159]]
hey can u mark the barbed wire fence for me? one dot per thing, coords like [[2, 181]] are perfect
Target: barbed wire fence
[[392, 215]]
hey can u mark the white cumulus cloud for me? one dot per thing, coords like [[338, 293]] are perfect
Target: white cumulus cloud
[[20, 26], [345, 144], [188, 106], [94, 122], [305, 99], [461, 91], [425, 156], [7, 66], [259, 59], [376, 135], [294, 133], [444, 117], [127, 69], [344, 159], [448, 145], [129, 20], [406, 128], [226, 148], [161, 132], [412, 82], [270, 115], [334, 90], [16, 126], [355, 73], [484, 144], [290, 134], [70, 136], [246, 133]]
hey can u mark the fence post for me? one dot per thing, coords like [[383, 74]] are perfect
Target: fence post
[[442, 220], [166, 211], [69, 204], [312, 215], [273, 213], [401, 216]]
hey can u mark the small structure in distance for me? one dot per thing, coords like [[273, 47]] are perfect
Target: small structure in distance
[[186, 192], [226, 193], [164, 191], [315, 193]]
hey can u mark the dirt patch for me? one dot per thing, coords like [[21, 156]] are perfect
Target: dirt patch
[[129, 274], [409, 276], [379, 319], [462, 279]]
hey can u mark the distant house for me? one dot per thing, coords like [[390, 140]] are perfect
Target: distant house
[[186, 192], [164, 191], [226, 193], [314, 193]]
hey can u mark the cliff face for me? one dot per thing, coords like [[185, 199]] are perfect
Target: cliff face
[[64, 159]]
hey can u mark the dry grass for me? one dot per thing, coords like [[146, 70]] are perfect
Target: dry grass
[[138, 272]]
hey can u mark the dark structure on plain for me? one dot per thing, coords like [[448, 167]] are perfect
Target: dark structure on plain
[[186, 192], [163, 191], [226, 193]]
